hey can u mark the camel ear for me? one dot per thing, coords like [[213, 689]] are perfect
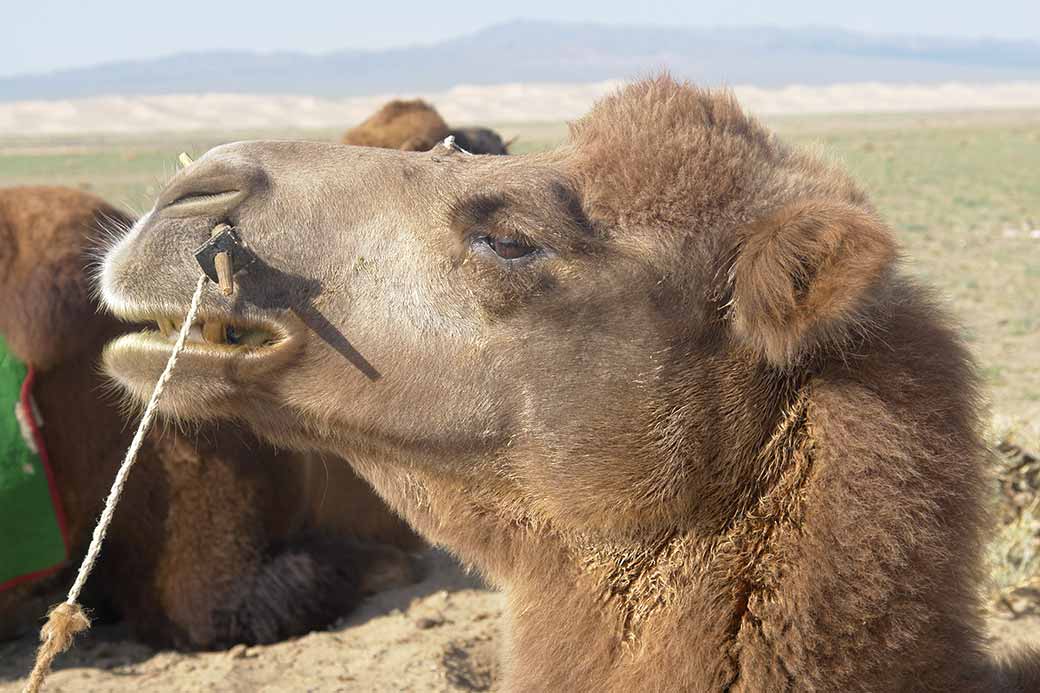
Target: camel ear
[[801, 275]]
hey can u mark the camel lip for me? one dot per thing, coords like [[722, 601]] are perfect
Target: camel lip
[[153, 341], [213, 332]]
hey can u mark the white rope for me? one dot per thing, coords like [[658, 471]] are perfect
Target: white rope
[[67, 619], [101, 529]]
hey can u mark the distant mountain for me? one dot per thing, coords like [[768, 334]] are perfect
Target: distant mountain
[[534, 51]]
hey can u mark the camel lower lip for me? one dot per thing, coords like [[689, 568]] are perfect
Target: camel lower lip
[[212, 334], [197, 344], [136, 359]]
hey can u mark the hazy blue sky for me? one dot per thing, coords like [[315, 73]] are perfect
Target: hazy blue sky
[[46, 34]]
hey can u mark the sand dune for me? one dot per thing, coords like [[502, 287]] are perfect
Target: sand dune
[[504, 103]]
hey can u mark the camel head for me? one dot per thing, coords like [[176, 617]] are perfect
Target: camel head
[[618, 323]]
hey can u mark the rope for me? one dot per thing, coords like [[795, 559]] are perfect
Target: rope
[[67, 619]]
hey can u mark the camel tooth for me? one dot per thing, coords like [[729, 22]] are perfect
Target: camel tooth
[[225, 275], [213, 332], [165, 326], [185, 160]]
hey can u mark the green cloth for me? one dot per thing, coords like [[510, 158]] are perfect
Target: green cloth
[[31, 540]]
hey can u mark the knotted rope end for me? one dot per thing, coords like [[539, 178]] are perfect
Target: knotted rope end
[[64, 622]]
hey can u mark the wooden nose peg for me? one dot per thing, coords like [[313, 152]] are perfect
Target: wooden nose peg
[[222, 263], [222, 256]]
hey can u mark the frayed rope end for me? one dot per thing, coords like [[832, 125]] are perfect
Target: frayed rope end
[[64, 622]]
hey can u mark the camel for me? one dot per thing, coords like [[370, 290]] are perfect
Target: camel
[[411, 125], [221, 539], [415, 125], [666, 386], [478, 140]]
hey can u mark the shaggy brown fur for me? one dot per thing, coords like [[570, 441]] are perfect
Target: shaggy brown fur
[[666, 385], [409, 125], [219, 539]]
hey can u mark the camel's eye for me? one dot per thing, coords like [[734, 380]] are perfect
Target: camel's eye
[[509, 248]]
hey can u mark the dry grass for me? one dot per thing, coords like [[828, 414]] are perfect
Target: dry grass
[[1014, 554]]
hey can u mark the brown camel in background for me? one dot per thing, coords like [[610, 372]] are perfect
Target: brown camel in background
[[416, 126]]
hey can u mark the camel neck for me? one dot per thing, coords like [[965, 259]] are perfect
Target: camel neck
[[636, 604]]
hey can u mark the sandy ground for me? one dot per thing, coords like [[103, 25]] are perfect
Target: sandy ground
[[504, 103], [437, 635], [440, 635]]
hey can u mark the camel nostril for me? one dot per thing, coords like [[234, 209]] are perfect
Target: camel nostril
[[199, 203], [211, 186]]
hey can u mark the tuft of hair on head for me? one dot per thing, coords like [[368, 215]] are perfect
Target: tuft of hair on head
[[663, 154]]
